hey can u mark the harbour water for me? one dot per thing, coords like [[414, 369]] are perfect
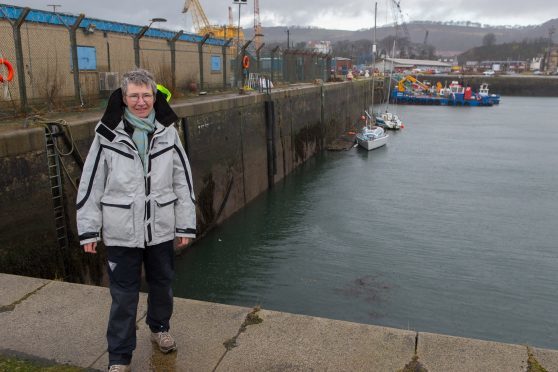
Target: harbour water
[[451, 228]]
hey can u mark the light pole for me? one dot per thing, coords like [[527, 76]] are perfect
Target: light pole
[[54, 6], [288, 38], [238, 61], [139, 35]]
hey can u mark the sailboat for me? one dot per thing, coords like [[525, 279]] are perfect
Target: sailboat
[[371, 136], [390, 120]]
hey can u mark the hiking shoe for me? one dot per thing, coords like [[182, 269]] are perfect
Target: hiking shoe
[[120, 368], [164, 340]]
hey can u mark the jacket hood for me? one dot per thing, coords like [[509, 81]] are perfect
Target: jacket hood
[[115, 110]]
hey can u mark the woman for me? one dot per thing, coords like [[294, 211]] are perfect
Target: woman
[[136, 194]]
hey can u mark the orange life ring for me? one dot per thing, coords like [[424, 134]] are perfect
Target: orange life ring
[[10, 70], [245, 62]]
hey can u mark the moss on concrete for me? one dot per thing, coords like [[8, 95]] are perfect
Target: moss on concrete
[[532, 364], [230, 343], [414, 366], [12, 306], [17, 364], [251, 318]]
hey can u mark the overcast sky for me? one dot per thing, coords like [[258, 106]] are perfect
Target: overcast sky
[[333, 14]]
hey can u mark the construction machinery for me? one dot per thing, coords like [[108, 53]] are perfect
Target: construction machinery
[[412, 80], [203, 27], [258, 36], [399, 18]]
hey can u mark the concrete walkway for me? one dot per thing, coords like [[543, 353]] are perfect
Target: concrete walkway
[[66, 323]]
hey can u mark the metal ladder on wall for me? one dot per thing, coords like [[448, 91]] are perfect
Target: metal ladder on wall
[[56, 185]]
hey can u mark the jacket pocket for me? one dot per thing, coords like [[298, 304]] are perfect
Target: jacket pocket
[[163, 217], [118, 218]]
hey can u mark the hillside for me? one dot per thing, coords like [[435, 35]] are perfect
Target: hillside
[[508, 51], [447, 38]]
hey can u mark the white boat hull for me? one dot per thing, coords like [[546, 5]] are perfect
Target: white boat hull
[[391, 120], [373, 143]]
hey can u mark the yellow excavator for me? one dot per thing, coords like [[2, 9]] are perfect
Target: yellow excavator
[[413, 80]]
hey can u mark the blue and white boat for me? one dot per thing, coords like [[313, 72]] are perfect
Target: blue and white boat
[[372, 137], [483, 92]]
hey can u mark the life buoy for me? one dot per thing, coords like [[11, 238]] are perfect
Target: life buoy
[[10, 70], [245, 62]]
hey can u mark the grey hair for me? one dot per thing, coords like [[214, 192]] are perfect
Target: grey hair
[[138, 76]]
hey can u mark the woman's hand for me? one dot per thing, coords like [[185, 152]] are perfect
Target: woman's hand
[[90, 247]]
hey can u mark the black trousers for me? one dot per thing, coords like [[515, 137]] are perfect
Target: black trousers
[[124, 268]]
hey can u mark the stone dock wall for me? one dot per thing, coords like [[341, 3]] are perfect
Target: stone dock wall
[[234, 152]]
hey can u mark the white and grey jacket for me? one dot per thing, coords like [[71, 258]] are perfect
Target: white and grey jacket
[[118, 202]]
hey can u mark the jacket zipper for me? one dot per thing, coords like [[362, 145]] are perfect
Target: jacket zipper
[[147, 181]]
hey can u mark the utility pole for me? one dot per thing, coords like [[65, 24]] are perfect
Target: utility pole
[[54, 6], [139, 35]]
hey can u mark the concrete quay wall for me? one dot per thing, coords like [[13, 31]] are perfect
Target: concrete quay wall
[[63, 323], [227, 141]]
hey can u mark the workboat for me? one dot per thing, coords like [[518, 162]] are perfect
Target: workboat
[[456, 94], [372, 137], [483, 92]]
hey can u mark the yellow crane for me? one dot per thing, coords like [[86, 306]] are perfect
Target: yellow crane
[[202, 25], [258, 36]]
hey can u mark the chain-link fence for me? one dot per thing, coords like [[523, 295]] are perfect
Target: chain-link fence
[[43, 48], [8, 91], [274, 67]]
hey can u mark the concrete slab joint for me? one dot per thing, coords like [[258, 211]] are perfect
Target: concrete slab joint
[[12, 306], [251, 318], [442, 353]]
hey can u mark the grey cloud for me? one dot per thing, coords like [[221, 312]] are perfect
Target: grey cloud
[[303, 13]]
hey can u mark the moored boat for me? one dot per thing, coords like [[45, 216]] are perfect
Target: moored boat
[[372, 137], [454, 95], [390, 120], [483, 92]]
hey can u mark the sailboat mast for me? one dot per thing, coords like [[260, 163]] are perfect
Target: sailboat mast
[[390, 73], [374, 56]]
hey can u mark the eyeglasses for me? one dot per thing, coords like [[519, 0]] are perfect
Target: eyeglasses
[[147, 97]]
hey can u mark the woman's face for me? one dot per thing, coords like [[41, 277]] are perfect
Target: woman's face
[[139, 99]]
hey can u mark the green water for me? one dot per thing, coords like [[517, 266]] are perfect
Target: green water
[[451, 228]]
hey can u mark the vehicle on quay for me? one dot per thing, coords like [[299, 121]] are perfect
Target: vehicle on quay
[[489, 73]]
